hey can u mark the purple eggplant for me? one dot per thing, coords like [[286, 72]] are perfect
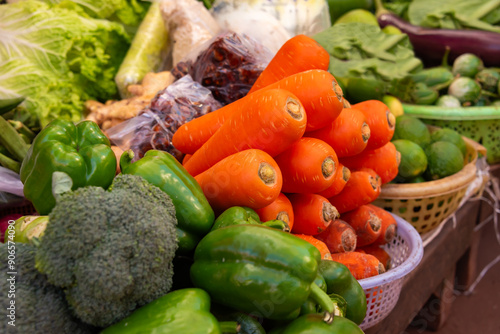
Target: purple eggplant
[[430, 45]]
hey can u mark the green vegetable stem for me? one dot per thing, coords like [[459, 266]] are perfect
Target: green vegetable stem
[[317, 324], [259, 270], [194, 214]]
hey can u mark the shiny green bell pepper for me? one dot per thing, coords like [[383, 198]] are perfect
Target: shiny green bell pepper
[[317, 324], [258, 270], [237, 215], [340, 281], [80, 151], [194, 214], [179, 311]]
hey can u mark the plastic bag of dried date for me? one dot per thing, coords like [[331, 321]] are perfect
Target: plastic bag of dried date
[[155, 125], [227, 65]]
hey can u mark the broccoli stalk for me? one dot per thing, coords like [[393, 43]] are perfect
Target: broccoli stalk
[[111, 251], [39, 307]]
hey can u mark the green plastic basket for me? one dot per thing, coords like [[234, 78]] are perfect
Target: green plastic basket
[[481, 124]]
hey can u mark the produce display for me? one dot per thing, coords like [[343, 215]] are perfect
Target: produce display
[[186, 179]]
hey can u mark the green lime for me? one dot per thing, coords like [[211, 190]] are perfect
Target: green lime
[[413, 159], [450, 135], [411, 128], [358, 15], [444, 159]]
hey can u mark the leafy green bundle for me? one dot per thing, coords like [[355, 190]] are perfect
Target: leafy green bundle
[[54, 57]]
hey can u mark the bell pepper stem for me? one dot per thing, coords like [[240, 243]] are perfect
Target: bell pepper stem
[[321, 298], [126, 159], [229, 327]]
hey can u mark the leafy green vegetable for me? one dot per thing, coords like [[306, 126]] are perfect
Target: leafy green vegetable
[[57, 60], [456, 14], [360, 50]]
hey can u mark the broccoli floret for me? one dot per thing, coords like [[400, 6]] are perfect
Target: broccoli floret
[[39, 307], [111, 251]]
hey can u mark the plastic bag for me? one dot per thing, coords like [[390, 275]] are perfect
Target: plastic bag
[[189, 23], [155, 125], [252, 21], [228, 65], [306, 17], [10, 183]]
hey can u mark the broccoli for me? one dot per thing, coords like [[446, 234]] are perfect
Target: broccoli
[[39, 307], [111, 251]]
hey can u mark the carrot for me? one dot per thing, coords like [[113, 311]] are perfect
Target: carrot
[[312, 213], [380, 120], [378, 252], [248, 178], [383, 160], [389, 226], [342, 175], [308, 166], [363, 187], [339, 237], [348, 134], [186, 158], [317, 90], [320, 245], [272, 120], [365, 222], [319, 93], [300, 53], [280, 208], [360, 265]]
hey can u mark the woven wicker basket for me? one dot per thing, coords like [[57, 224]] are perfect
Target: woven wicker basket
[[425, 205]]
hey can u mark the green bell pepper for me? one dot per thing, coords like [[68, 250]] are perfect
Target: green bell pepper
[[258, 270], [27, 227], [340, 281], [317, 324], [80, 151], [194, 214], [180, 311], [237, 215]]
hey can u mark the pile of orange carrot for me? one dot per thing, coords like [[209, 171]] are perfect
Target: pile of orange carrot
[[294, 149]]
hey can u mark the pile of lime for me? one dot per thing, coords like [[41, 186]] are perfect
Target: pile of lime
[[426, 155]]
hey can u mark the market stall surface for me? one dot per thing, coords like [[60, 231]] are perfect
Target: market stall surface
[[478, 312]]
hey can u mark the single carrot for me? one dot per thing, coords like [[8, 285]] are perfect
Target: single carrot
[[312, 213], [342, 175], [319, 93], [320, 245], [389, 225], [380, 120], [272, 120], [339, 237], [383, 160], [300, 53], [317, 90], [186, 158], [348, 134], [378, 252], [248, 178], [281, 209], [308, 166], [359, 264], [363, 187], [365, 222]]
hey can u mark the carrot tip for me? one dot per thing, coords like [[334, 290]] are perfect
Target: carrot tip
[[338, 90], [283, 216], [330, 212], [328, 167], [391, 119], [293, 107], [365, 132], [267, 173]]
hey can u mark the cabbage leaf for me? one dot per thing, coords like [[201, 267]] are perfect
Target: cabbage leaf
[[57, 59]]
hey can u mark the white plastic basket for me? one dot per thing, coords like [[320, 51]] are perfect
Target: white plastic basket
[[382, 291]]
